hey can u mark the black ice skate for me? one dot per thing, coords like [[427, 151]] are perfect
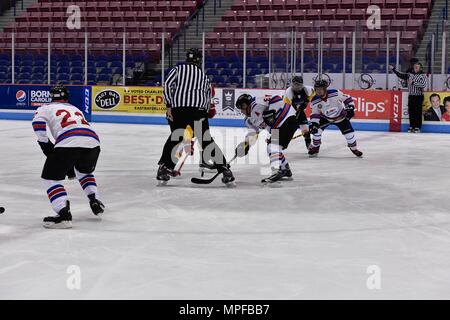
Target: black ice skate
[[287, 173], [410, 130], [63, 220], [277, 175], [313, 151], [206, 167], [356, 152], [164, 174], [228, 177], [97, 206]]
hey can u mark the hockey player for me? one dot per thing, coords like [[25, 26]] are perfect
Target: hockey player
[[278, 118], [299, 96], [331, 106], [76, 146]]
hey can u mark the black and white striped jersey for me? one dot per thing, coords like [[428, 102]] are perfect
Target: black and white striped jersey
[[187, 86], [418, 84]]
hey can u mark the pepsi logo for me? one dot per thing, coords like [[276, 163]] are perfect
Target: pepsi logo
[[21, 96]]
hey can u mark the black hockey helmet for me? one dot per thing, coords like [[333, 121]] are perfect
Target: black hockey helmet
[[320, 83], [194, 56], [243, 99], [297, 79], [59, 93]]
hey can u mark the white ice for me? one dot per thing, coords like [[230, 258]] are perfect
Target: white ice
[[314, 237]]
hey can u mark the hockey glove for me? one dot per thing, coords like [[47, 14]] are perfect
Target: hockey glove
[[242, 149], [314, 128], [212, 111], [47, 147], [350, 109], [269, 117]]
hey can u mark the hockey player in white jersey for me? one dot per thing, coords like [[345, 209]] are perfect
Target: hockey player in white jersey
[[76, 146], [331, 106], [299, 96], [278, 118]]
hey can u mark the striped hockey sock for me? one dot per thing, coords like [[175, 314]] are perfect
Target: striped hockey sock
[[56, 194], [87, 182]]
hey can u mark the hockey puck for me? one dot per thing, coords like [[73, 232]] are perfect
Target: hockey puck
[[2, 210]]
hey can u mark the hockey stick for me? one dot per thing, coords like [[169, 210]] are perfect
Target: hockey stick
[[320, 127], [208, 181], [182, 159]]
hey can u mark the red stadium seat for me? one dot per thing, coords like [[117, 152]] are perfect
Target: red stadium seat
[[304, 4], [391, 3], [407, 3], [343, 14], [388, 14], [248, 26], [403, 13], [336, 25], [347, 4], [328, 14], [419, 13], [319, 4]]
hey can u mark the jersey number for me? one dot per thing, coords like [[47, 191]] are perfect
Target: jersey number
[[66, 121]]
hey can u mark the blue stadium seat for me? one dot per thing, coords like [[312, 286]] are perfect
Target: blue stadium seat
[[63, 63], [63, 76], [106, 71], [236, 65], [77, 70], [92, 70], [223, 65], [64, 70], [25, 75], [130, 64], [218, 80], [328, 67], [76, 77], [104, 78], [212, 72], [76, 64], [37, 76], [101, 64], [4, 62], [210, 65], [234, 80], [40, 63], [226, 72], [3, 69], [252, 65]]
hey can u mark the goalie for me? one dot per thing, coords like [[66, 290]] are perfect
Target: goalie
[[278, 118]]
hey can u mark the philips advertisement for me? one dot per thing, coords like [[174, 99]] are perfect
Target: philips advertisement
[[23, 97]]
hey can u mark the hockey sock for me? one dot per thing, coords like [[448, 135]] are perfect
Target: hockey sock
[[56, 194], [317, 139], [277, 159], [351, 140], [87, 182]]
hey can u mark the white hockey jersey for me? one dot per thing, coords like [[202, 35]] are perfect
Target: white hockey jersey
[[67, 126], [255, 121], [332, 108]]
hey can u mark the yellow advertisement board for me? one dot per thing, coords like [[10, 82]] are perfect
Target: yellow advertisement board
[[128, 99]]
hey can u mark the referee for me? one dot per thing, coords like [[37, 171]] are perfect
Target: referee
[[187, 94], [417, 81]]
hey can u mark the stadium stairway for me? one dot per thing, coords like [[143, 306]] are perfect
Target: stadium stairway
[[433, 22], [9, 16], [194, 39]]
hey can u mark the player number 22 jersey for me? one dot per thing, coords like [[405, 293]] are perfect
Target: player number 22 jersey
[[67, 125]]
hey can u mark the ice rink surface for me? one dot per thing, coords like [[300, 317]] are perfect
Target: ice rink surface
[[314, 237]]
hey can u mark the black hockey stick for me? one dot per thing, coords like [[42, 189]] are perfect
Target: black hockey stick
[[208, 181]]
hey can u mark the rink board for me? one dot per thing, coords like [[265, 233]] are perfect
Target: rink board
[[375, 110]]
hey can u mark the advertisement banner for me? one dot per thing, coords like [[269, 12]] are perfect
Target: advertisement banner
[[436, 106], [24, 97], [128, 99], [369, 104]]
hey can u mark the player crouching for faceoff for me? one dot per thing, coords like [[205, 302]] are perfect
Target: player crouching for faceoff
[[76, 146], [331, 106], [299, 96], [278, 118]]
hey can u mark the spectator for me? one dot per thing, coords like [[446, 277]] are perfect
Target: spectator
[[435, 112], [446, 114], [417, 81]]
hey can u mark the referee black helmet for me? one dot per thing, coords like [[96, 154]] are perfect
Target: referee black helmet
[[194, 56]]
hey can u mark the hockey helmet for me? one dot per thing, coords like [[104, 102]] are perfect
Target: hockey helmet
[[59, 93], [297, 79], [243, 102], [194, 56], [320, 83]]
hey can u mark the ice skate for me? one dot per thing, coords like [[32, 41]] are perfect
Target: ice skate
[[163, 175], [228, 177], [63, 220], [97, 206], [356, 152], [287, 173], [313, 151], [276, 176]]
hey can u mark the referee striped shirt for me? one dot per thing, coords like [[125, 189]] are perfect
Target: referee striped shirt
[[419, 82], [187, 86]]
